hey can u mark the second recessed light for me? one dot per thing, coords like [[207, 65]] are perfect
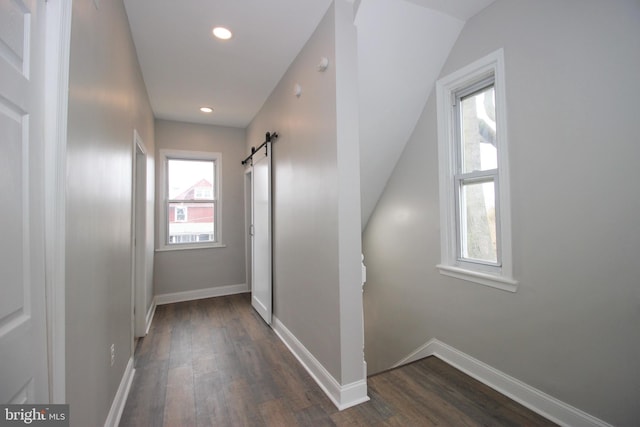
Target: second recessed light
[[222, 33], [206, 109]]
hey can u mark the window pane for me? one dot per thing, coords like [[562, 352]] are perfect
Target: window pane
[[190, 179], [478, 221], [478, 127], [191, 222]]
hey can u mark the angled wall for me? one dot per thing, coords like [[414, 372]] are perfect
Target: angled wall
[[571, 329]]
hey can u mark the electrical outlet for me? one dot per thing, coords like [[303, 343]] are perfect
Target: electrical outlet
[[113, 354]]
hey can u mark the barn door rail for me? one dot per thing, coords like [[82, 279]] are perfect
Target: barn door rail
[[270, 137]]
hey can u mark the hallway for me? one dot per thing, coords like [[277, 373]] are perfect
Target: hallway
[[213, 362]]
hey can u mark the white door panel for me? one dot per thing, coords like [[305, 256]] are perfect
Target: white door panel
[[261, 295], [23, 342]]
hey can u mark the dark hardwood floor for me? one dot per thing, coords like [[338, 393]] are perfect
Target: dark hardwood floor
[[214, 362]]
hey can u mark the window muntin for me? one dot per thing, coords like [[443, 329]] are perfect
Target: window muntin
[[190, 186]]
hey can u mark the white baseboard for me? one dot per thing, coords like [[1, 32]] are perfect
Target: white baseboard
[[530, 397], [343, 396], [218, 291], [150, 314], [120, 400]]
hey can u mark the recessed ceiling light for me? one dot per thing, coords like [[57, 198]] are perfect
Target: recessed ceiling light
[[206, 109], [222, 33]]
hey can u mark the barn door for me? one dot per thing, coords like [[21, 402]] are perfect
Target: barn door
[[261, 292], [23, 338]]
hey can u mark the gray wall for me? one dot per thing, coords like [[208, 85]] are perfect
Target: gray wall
[[572, 329], [107, 100], [194, 269], [313, 263]]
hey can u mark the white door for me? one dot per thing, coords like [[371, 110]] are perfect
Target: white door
[[261, 298], [23, 339]]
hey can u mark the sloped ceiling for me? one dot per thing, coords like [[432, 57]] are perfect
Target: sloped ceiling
[[461, 9], [402, 46]]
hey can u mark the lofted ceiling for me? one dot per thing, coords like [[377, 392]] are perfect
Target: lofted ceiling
[[184, 67]]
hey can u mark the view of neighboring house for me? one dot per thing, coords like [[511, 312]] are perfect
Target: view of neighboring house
[[191, 214]]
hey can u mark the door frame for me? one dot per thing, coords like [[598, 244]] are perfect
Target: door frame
[[138, 238], [56, 90], [248, 222]]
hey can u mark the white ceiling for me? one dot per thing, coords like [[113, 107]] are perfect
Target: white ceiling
[[461, 9], [185, 67]]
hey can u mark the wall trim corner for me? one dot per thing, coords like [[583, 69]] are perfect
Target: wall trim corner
[[150, 314], [217, 291], [539, 402], [342, 396]]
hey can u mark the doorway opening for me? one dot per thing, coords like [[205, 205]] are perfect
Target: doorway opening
[[138, 237]]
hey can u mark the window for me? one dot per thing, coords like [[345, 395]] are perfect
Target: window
[[190, 211], [474, 175], [203, 193], [180, 213]]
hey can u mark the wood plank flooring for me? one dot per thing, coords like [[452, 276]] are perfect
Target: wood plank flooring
[[214, 362]]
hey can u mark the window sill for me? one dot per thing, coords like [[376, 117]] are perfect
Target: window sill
[[491, 280], [189, 247]]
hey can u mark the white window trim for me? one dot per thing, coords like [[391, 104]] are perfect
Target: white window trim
[[497, 277], [165, 155]]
